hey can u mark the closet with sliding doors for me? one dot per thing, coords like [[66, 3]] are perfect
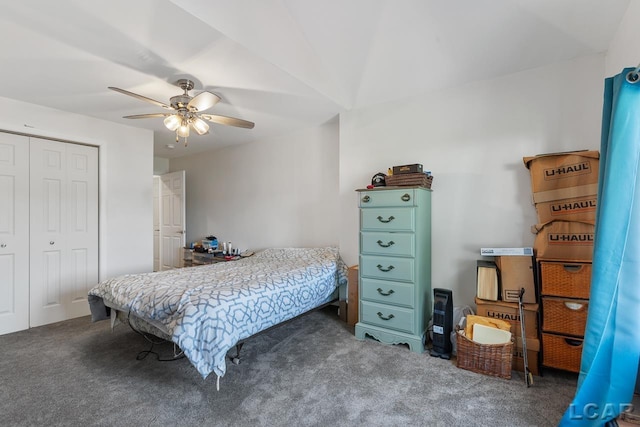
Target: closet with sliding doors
[[48, 230]]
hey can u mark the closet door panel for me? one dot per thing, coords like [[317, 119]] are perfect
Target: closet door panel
[[47, 229], [64, 229], [14, 233], [51, 277], [82, 226]]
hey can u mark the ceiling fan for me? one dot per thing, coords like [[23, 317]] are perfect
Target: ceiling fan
[[186, 111]]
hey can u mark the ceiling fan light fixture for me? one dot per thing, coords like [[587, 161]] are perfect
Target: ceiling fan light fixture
[[200, 126], [186, 111], [172, 122], [183, 130]]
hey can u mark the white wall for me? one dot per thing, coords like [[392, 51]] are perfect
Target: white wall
[[126, 169], [281, 192], [160, 165], [624, 50], [473, 139]]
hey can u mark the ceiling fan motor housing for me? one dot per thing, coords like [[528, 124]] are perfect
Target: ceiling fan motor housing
[[180, 101]]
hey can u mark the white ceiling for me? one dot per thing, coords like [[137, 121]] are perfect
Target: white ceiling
[[283, 64]]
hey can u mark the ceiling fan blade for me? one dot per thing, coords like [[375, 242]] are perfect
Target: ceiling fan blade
[[142, 98], [203, 101], [229, 121], [147, 116]]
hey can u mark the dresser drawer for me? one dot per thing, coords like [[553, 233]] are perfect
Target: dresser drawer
[[381, 243], [372, 199], [564, 316], [572, 280], [387, 292], [387, 219], [387, 268], [561, 352], [387, 316]]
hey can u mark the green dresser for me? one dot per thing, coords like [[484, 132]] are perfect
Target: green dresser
[[395, 265]]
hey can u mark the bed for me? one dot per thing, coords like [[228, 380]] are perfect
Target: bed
[[206, 310]]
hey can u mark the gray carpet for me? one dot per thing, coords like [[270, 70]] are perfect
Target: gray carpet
[[311, 372]]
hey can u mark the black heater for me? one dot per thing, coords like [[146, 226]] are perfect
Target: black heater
[[442, 323]]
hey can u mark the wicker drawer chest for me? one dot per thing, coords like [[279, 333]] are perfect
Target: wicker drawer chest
[[395, 265], [564, 290]]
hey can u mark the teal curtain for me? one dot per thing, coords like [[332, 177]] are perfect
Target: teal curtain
[[612, 338]]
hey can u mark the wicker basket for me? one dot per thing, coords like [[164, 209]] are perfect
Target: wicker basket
[[488, 359], [570, 280], [568, 317], [562, 352]]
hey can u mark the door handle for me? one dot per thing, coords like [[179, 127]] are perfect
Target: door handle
[[4, 245]]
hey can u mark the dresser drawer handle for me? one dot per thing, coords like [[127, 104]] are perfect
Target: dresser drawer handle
[[391, 267], [391, 218], [391, 242], [386, 294], [405, 197], [366, 199], [391, 316]]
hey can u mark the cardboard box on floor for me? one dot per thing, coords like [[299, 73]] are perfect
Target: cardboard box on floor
[[352, 295], [509, 311], [516, 272], [533, 356]]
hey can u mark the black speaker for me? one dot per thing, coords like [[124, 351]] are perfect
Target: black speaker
[[442, 323]]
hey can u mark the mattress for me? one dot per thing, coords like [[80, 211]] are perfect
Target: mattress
[[207, 309]]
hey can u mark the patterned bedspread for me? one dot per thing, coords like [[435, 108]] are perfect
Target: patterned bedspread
[[208, 309]]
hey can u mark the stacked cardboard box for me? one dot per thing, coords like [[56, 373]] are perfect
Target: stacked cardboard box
[[565, 194], [565, 191], [516, 272]]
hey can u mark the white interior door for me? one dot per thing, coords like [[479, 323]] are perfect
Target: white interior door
[[63, 228], [14, 233], [156, 223], [172, 217]]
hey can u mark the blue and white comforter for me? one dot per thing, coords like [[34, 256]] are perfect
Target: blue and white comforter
[[208, 309]]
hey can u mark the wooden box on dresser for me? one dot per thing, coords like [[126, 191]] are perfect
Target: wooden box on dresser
[[564, 290], [395, 265]]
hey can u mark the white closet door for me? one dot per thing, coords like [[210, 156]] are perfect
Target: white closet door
[[64, 229], [14, 233], [172, 217], [156, 223], [82, 227]]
